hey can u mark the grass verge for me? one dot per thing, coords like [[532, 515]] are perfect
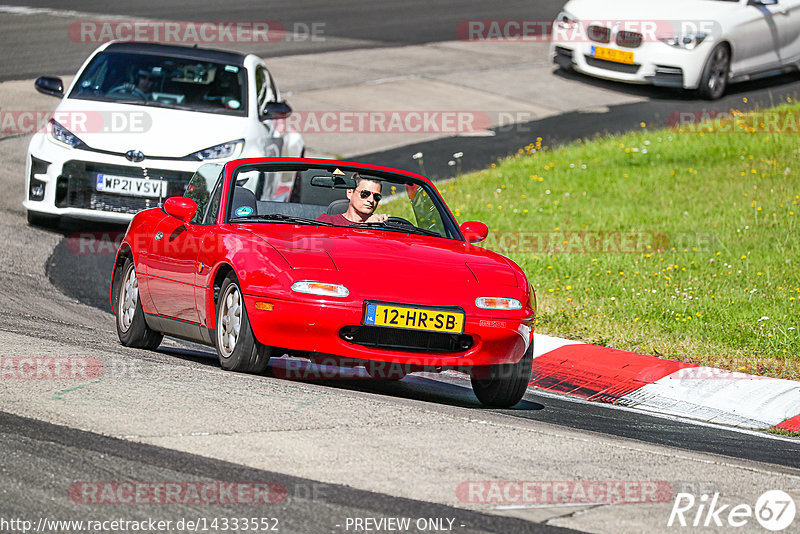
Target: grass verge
[[678, 243]]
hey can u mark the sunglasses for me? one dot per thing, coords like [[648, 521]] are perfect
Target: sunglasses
[[365, 195]]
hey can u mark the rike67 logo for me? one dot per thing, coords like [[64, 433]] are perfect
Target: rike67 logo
[[774, 510]]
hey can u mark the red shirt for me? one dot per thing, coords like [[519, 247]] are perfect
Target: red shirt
[[338, 219]]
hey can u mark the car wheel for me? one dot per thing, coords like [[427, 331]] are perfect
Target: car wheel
[[715, 74], [237, 347], [43, 220], [503, 385], [132, 328]]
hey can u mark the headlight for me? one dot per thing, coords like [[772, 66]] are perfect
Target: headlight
[[320, 288], [231, 149], [687, 42], [497, 303], [62, 135], [565, 21]]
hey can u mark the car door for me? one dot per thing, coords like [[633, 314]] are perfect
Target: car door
[[172, 258], [755, 37], [787, 17]]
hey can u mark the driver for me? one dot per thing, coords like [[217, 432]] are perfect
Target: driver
[[364, 200], [144, 83]]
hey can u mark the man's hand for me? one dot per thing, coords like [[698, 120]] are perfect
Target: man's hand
[[377, 217]]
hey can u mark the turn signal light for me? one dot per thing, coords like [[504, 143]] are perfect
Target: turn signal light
[[320, 288], [497, 303]]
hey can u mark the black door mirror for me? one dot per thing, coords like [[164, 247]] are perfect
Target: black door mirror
[[49, 85], [276, 110]]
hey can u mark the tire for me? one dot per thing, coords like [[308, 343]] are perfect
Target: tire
[[502, 386], [132, 328], [714, 80], [237, 348], [43, 220]]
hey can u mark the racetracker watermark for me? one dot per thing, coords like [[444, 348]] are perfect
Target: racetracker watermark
[[76, 122], [451, 122], [597, 242], [629, 33], [50, 368], [195, 32], [759, 122], [206, 493], [774, 510], [555, 492]]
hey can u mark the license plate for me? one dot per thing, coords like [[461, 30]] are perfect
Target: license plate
[[136, 187], [611, 54], [430, 319]]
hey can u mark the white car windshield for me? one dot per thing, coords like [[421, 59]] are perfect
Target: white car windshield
[[164, 81]]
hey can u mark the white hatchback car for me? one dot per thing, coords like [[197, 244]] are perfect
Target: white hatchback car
[[690, 44], [140, 118]]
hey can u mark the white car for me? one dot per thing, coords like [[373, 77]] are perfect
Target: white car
[[689, 44], [140, 118]]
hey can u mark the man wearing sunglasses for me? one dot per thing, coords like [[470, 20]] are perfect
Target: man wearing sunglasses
[[364, 200]]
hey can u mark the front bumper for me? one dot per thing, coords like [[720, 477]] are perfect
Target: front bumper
[[655, 63], [61, 181], [315, 328]]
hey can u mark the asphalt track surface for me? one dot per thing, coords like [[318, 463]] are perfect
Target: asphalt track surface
[[38, 450]]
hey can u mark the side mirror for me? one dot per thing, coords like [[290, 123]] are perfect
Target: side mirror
[[181, 208], [49, 85], [276, 110], [474, 231]]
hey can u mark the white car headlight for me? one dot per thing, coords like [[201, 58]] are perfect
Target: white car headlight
[[231, 149], [62, 135], [687, 42], [497, 303], [565, 21], [320, 288]]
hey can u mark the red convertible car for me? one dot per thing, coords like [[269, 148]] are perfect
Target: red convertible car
[[404, 291]]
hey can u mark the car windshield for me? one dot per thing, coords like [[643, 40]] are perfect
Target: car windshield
[[321, 196], [164, 81]]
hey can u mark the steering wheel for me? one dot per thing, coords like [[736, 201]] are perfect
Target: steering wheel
[[127, 89], [399, 220]]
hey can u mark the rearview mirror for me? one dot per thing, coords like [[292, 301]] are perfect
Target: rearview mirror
[[49, 85], [182, 208], [474, 231], [334, 182], [276, 110]]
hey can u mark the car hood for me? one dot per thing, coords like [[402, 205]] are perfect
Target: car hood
[[380, 260], [657, 11], [152, 130]]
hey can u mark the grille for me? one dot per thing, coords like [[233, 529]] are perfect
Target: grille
[[407, 340], [76, 187], [601, 34], [629, 39], [611, 65]]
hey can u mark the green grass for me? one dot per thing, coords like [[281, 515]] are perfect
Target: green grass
[[708, 266]]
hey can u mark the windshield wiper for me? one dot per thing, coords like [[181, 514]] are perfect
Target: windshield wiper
[[393, 227], [280, 217]]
